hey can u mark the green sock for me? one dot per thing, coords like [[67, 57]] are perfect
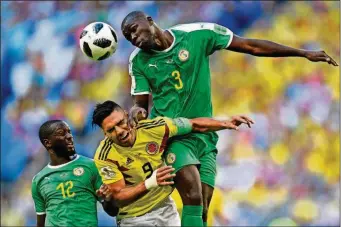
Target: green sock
[[192, 216], [205, 224]]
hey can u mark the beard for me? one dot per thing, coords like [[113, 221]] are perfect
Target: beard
[[63, 151]]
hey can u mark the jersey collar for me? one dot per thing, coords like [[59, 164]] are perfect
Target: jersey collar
[[59, 166], [171, 46]]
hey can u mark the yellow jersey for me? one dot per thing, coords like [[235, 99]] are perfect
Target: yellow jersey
[[135, 164]]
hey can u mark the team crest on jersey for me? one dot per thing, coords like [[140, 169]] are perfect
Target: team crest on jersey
[[78, 171], [152, 148], [183, 55], [171, 158]]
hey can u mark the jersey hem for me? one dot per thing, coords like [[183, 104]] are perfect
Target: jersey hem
[[230, 41], [141, 93], [40, 213]]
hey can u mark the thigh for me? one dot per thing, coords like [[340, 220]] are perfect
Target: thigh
[[180, 153], [208, 167]]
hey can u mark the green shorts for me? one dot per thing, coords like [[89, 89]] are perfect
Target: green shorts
[[194, 149]]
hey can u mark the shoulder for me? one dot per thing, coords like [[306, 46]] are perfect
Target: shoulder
[[152, 126], [134, 54], [203, 28], [103, 148], [192, 27], [39, 175], [85, 160], [151, 123]]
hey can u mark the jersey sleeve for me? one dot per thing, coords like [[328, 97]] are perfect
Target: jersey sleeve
[[108, 171], [139, 83], [178, 126], [216, 37], [39, 202], [96, 177]]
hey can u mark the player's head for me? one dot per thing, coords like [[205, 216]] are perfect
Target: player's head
[[114, 122], [140, 29], [56, 137]]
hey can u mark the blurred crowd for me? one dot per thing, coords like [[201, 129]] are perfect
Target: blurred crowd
[[284, 171]]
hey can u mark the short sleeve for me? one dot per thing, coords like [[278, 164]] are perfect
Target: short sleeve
[[39, 202], [216, 37], [108, 171], [139, 83], [97, 180]]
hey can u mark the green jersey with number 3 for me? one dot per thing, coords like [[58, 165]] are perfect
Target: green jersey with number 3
[[179, 77], [67, 193]]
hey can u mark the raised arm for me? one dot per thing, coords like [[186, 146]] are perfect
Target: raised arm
[[265, 48], [124, 195], [140, 109]]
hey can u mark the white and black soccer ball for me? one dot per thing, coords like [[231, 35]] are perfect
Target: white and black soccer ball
[[98, 41]]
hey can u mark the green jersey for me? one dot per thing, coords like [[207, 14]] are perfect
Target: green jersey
[[67, 193], [179, 77]]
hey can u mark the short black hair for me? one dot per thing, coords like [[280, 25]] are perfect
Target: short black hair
[[45, 130], [133, 16], [103, 110]]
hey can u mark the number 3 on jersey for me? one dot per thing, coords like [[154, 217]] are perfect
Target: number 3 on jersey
[[176, 75]]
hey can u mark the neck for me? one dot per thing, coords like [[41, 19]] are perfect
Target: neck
[[56, 160], [164, 40]]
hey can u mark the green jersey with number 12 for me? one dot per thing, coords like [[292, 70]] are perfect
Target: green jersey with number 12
[[67, 193]]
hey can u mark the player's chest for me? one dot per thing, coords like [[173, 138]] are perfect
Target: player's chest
[[138, 166], [65, 184], [172, 68]]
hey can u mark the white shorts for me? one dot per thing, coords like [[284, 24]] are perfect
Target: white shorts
[[165, 214]]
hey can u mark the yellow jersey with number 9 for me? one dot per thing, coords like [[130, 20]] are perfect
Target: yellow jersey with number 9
[[136, 164]]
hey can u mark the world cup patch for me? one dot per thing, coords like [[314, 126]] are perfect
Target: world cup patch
[[183, 55], [171, 157], [107, 172], [78, 171], [152, 148]]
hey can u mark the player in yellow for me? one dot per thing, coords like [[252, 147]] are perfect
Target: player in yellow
[[130, 162]]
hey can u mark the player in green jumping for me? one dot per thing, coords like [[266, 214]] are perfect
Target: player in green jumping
[[173, 65], [64, 192]]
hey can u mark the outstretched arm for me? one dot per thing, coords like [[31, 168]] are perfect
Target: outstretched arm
[[265, 48], [209, 124]]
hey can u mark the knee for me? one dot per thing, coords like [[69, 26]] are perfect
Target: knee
[[192, 197]]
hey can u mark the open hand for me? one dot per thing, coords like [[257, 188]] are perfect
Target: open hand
[[321, 55], [136, 114], [235, 121]]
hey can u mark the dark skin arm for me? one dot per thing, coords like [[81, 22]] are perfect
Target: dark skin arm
[[41, 220], [265, 48], [139, 110], [110, 207], [210, 125]]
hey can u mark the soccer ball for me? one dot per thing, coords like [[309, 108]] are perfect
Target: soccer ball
[[98, 41]]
